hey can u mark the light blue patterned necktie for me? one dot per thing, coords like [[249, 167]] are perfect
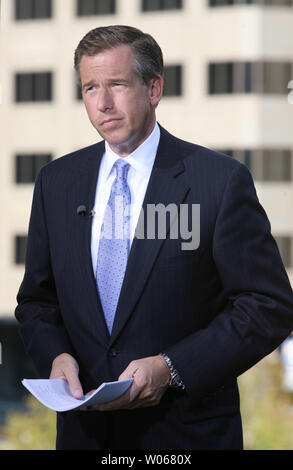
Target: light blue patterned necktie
[[114, 243]]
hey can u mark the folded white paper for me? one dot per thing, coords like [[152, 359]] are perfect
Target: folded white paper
[[55, 393]]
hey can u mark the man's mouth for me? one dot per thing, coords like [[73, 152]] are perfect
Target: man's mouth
[[109, 122]]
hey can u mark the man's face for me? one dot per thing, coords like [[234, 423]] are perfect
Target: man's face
[[119, 105]]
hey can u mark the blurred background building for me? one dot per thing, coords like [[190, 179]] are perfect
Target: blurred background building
[[228, 67]]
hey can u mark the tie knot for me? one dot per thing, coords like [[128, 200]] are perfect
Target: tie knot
[[122, 168]]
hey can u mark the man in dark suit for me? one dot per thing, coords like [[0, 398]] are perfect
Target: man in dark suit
[[183, 320]]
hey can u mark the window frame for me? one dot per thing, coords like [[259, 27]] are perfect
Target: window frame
[[262, 3], [162, 6], [264, 77], [95, 12], [178, 80], [20, 246], [33, 7], [34, 95], [34, 165]]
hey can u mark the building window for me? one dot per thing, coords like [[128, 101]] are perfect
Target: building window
[[276, 76], [220, 3], [95, 7], [277, 165], [28, 166], [270, 165], [32, 9], [155, 5], [78, 92], [249, 77], [33, 87], [20, 242], [173, 80], [285, 247], [220, 78]]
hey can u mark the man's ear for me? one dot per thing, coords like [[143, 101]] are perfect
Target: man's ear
[[156, 90]]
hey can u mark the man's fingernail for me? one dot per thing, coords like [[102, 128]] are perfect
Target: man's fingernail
[[77, 393]]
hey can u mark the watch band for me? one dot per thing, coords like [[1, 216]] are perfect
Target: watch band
[[175, 381]]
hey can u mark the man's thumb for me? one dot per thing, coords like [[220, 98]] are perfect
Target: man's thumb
[[75, 386]]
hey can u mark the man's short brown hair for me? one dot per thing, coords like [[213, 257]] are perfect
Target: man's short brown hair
[[148, 57]]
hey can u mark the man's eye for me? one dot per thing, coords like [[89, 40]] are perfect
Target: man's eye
[[90, 89]]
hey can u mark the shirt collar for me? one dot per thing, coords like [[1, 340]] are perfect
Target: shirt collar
[[141, 159]]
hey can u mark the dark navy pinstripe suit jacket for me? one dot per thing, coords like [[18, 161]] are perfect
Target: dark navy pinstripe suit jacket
[[215, 310]]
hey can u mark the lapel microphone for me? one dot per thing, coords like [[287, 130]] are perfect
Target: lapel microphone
[[82, 211]]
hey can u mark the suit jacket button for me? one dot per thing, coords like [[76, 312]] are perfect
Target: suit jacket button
[[113, 352]]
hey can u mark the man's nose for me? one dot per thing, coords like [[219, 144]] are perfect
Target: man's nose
[[105, 100]]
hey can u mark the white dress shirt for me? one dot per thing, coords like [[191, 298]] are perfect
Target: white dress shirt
[[141, 163]]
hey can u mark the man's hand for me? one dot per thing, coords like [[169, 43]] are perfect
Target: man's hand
[[151, 378], [65, 366]]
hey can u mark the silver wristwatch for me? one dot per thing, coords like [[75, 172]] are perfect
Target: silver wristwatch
[[175, 381]]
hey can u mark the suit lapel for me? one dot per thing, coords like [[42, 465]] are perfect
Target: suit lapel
[[84, 193], [167, 185]]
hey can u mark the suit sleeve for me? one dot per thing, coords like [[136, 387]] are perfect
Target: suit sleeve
[[38, 312], [258, 313]]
